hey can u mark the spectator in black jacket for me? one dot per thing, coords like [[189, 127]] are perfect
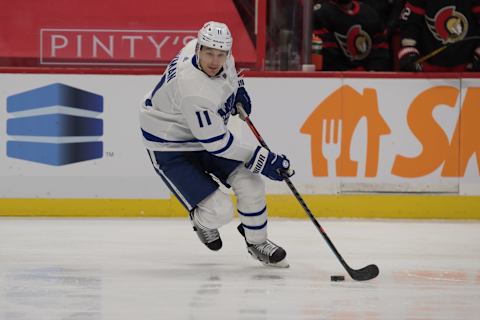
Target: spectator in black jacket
[[428, 25], [347, 36]]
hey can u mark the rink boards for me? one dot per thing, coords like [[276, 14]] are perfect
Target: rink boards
[[361, 147]]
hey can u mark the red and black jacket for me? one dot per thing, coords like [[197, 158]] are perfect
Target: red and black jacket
[[352, 40], [431, 24]]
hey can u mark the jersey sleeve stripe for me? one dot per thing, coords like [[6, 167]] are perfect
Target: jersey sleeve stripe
[[213, 139], [415, 9], [151, 137], [229, 143]]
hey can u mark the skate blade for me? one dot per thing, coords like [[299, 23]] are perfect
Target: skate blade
[[281, 264]]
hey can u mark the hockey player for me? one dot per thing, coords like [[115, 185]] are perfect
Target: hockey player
[[184, 126], [430, 24], [349, 36]]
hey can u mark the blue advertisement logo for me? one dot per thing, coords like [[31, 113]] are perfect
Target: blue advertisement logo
[[55, 125]]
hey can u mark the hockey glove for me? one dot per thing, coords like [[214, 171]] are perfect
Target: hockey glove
[[271, 165], [408, 57], [243, 98]]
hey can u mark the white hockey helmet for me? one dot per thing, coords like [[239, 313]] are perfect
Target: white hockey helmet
[[215, 35]]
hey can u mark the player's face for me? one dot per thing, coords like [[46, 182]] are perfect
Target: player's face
[[212, 60]]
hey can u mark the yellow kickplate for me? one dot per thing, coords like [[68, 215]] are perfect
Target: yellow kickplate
[[334, 206]]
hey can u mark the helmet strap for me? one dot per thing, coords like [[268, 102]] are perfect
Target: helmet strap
[[197, 55]]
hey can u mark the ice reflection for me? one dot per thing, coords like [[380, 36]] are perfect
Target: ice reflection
[[246, 295], [41, 293]]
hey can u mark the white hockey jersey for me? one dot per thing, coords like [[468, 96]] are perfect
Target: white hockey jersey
[[189, 111]]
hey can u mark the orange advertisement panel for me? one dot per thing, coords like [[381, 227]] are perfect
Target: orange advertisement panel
[[377, 135]]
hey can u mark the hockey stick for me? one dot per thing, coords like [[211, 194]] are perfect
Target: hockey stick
[[448, 45], [365, 273]]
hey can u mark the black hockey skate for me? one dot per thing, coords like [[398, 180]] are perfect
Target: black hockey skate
[[268, 253], [209, 237]]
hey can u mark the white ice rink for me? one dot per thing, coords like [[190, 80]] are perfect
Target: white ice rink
[[145, 269]]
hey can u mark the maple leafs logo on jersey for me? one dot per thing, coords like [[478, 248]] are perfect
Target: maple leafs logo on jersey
[[226, 110], [356, 44], [448, 25]]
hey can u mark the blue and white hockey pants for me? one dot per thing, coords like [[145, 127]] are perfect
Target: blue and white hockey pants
[[189, 177]]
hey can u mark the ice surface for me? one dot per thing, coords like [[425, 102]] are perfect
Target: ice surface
[[140, 269]]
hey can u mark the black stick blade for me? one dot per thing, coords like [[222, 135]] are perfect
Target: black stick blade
[[367, 273]]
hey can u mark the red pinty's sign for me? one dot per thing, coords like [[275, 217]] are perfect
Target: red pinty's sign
[[111, 47]]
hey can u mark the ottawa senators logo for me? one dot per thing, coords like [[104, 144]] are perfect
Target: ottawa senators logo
[[356, 44], [448, 25]]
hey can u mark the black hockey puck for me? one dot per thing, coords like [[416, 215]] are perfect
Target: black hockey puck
[[337, 278]]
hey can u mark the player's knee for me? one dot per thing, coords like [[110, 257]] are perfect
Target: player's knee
[[216, 210], [249, 187], [224, 209], [255, 187]]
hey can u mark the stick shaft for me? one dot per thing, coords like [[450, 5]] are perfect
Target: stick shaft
[[431, 54], [442, 48]]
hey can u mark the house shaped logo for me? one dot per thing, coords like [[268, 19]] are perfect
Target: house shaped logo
[[332, 126], [55, 125]]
